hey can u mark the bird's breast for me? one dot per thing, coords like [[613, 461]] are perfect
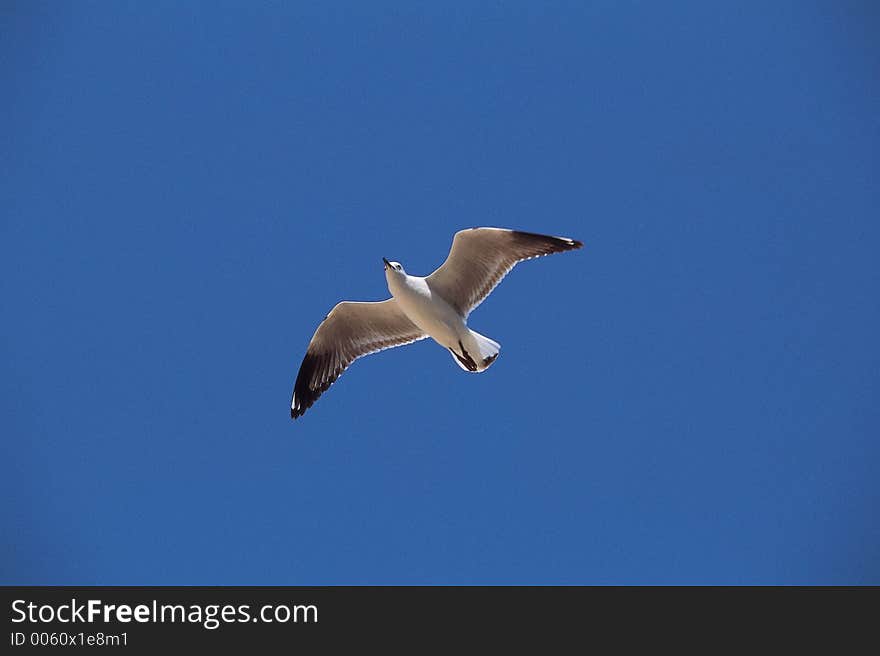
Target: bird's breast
[[428, 311]]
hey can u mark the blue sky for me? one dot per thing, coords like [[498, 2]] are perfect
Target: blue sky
[[187, 189]]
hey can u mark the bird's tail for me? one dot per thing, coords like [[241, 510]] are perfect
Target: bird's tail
[[477, 352]]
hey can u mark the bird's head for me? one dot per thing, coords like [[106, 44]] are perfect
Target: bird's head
[[393, 268]]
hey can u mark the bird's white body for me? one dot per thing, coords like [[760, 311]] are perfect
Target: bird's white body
[[426, 309], [439, 320]]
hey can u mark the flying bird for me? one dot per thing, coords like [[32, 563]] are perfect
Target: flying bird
[[436, 306]]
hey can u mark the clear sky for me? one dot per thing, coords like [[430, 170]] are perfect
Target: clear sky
[[187, 189]]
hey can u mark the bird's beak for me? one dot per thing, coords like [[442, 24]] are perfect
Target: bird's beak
[[387, 263]]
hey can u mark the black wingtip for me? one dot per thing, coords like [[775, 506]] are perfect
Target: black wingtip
[[304, 395], [554, 244]]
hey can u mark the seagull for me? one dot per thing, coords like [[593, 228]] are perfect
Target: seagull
[[436, 306]]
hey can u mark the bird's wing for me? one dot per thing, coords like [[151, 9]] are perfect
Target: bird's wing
[[481, 257], [350, 331]]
